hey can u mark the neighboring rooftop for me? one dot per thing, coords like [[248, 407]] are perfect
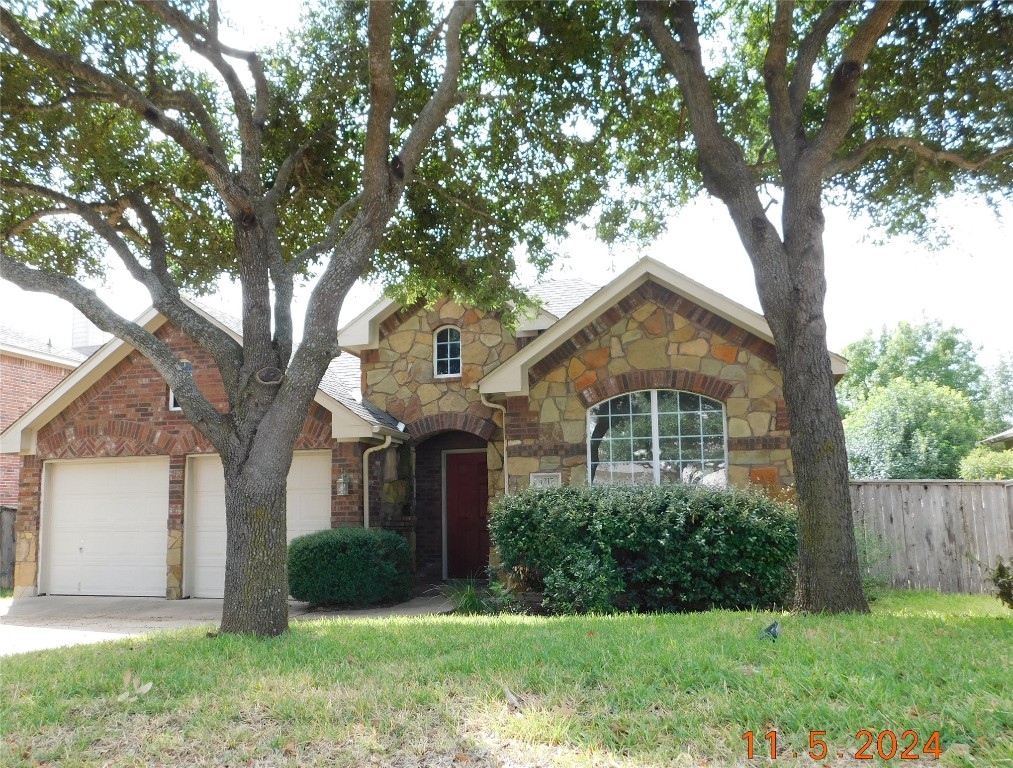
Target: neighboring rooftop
[[25, 345], [1002, 437], [559, 297]]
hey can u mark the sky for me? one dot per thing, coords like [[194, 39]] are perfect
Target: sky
[[968, 284]]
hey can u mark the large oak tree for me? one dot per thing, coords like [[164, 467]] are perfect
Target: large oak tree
[[779, 109], [377, 141]]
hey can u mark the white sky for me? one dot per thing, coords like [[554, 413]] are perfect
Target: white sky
[[967, 285]]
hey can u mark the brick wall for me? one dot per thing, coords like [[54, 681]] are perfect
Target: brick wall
[[23, 383], [126, 413]]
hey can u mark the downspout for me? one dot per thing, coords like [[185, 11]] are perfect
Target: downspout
[[506, 474], [365, 478]]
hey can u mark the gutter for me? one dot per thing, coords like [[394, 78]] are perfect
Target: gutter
[[502, 409]]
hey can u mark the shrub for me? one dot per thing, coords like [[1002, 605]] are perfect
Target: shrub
[[987, 464], [674, 547], [1002, 577], [350, 567], [874, 562]]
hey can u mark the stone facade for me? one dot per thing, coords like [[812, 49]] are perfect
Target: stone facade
[[398, 376], [651, 339]]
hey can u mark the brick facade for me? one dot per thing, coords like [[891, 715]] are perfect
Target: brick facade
[[23, 382], [126, 413]]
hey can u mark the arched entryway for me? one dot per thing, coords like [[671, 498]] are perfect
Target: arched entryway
[[451, 506]]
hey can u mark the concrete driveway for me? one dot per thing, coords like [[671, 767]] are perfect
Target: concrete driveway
[[54, 621]]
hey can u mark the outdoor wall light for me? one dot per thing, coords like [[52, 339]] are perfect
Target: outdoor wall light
[[343, 486]]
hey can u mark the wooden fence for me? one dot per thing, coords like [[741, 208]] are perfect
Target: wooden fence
[[7, 547], [941, 534]]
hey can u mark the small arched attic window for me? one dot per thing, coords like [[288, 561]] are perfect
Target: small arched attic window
[[447, 352]]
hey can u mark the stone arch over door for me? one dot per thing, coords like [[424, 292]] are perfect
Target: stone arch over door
[[428, 426]]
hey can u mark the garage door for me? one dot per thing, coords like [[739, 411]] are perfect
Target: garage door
[[105, 524], [309, 509]]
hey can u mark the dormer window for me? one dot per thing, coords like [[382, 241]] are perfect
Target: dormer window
[[447, 352], [173, 403]]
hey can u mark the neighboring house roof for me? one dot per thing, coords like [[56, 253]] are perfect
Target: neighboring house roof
[[1002, 437], [511, 377], [350, 420], [19, 344]]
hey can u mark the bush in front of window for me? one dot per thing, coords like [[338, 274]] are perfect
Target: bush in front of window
[[647, 548], [350, 568]]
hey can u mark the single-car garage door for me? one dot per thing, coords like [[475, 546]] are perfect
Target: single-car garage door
[[105, 525], [308, 510]]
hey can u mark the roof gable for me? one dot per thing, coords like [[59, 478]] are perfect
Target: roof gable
[[647, 278], [349, 420]]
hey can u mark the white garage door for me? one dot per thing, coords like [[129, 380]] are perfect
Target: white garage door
[[105, 523], [309, 509]]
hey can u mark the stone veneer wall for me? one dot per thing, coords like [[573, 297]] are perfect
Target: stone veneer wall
[[653, 338], [398, 376]]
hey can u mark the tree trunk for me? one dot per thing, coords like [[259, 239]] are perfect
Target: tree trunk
[[256, 563], [792, 290]]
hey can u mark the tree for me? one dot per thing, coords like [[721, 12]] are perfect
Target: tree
[[998, 397], [359, 147], [909, 430], [922, 352], [884, 107], [984, 463]]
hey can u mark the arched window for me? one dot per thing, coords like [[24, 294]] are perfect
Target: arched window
[[447, 352], [657, 436]]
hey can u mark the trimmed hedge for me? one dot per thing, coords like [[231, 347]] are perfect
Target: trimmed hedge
[[668, 548], [350, 567]]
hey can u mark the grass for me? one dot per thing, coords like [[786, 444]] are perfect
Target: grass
[[675, 690]]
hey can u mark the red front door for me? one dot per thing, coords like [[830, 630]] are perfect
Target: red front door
[[467, 489]]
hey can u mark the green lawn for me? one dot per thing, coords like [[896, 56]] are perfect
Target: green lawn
[[676, 690]]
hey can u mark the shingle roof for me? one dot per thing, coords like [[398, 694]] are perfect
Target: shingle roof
[[342, 382], [11, 337], [559, 297]]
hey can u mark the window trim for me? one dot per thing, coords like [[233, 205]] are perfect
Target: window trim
[[655, 431], [437, 359], [173, 405]]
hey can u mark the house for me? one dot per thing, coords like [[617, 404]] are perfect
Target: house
[[432, 411], [29, 368], [1003, 440]]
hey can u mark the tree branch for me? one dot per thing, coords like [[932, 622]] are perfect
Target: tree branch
[[129, 98], [375, 173], [783, 122], [808, 52], [204, 42], [187, 101], [196, 407], [445, 96], [843, 90], [855, 158], [289, 164]]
